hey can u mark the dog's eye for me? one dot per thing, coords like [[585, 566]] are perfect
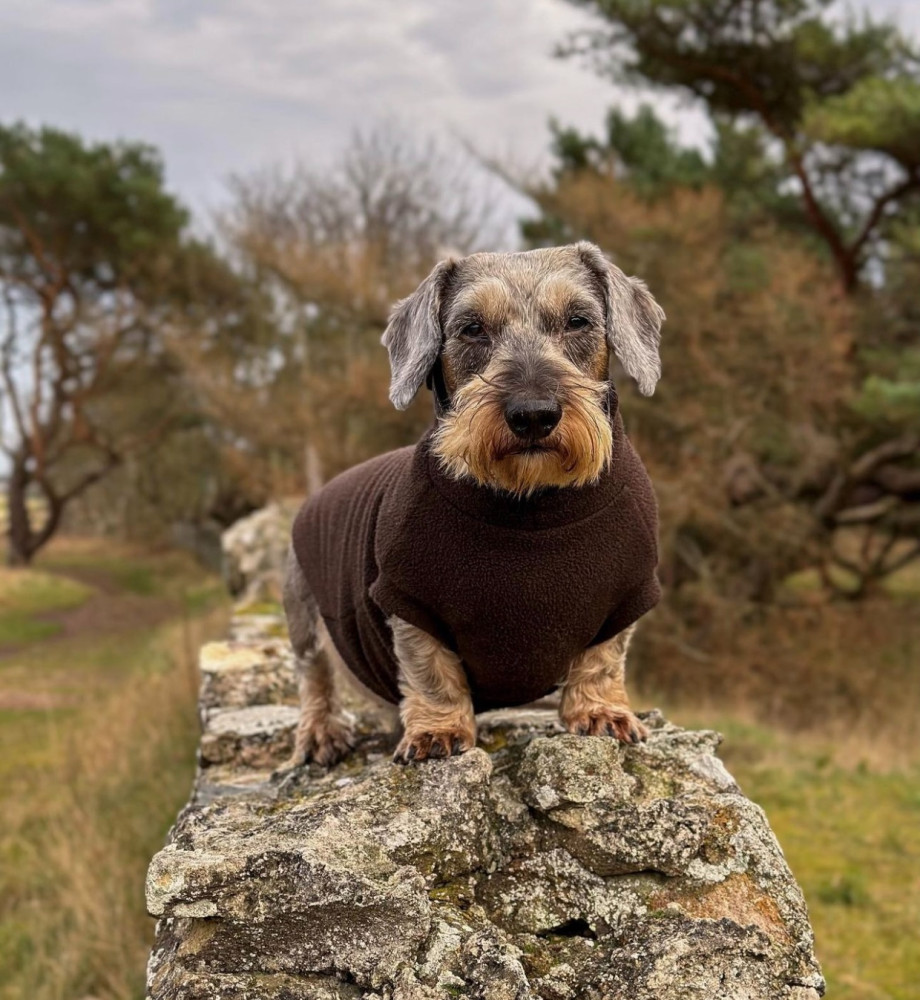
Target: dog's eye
[[473, 331], [578, 322]]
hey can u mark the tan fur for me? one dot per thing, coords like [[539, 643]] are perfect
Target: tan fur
[[436, 709], [559, 296], [594, 700], [522, 285], [474, 440], [324, 732], [600, 363], [503, 327], [489, 298]]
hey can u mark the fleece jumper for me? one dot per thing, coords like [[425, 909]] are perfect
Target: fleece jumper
[[515, 587]]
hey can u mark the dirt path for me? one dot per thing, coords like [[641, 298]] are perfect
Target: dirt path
[[60, 670], [110, 613], [107, 611]]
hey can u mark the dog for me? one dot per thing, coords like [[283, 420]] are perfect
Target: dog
[[512, 550]]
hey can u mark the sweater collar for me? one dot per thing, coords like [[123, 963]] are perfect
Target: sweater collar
[[549, 508]]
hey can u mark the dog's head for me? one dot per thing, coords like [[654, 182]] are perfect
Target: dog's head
[[518, 343]]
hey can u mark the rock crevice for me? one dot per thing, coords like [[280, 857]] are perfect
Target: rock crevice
[[538, 865]]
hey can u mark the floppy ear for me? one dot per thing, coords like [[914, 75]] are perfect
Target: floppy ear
[[634, 319], [413, 336]]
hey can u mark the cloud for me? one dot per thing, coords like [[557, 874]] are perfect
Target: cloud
[[227, 86]]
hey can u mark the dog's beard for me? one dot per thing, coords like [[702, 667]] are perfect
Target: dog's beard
[[474, 441]]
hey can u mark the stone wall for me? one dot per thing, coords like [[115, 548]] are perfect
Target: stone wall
[[538, 865]]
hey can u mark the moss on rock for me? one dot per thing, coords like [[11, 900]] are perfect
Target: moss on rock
[[547, 866]]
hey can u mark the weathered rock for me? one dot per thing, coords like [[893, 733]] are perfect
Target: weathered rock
[[254, 736], [538, 865], [254, 550], [241, 674]]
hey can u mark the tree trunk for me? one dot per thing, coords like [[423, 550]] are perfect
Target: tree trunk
[[19, 529]]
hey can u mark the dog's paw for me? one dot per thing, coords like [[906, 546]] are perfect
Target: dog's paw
[[418, 746], [324, 743], [619, 723]]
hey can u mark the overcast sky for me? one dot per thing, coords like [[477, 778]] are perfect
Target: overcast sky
[[223, 86]]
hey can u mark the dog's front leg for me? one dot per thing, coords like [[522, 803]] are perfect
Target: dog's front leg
[[436, 708], [594, 699]]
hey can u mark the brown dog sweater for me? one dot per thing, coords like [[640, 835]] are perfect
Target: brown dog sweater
[[516, 587]]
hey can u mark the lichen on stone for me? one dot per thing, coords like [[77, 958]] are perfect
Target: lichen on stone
[[538, 866]]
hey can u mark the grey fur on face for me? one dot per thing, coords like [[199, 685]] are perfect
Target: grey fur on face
[[414, 336]]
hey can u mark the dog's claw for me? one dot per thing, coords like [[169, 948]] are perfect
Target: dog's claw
[[404, 755], [432, 746], [618, 723], [323, 745]]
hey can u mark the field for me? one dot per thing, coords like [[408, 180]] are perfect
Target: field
[[97, 740]]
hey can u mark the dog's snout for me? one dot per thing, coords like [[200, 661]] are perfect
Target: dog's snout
[[533, 419]]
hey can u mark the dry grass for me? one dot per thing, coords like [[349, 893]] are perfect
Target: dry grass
[[88, 793], [844, 671]]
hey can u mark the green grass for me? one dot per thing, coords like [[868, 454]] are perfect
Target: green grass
[[97, 751], [27, 596], [169, 574], [850, 831]]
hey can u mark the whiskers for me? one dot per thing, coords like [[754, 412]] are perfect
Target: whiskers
[[474, 441]]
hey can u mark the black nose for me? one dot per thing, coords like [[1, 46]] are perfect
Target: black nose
[[532, 419]]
